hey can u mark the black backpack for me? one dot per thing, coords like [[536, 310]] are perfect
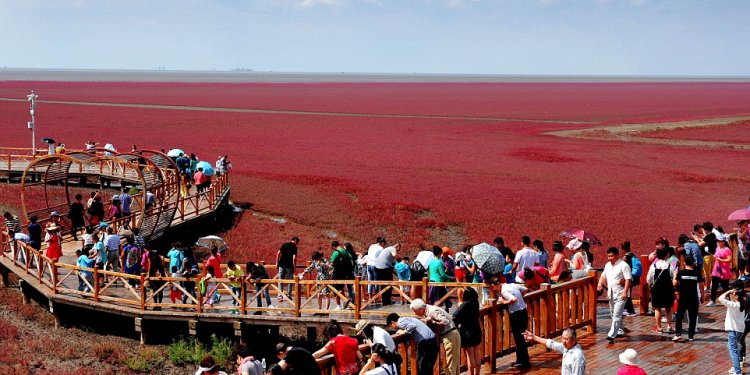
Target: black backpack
[[343, 267], [417, 271]]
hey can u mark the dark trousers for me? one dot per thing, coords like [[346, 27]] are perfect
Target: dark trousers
[[519, 322], [427, 353], [381, 275], [715, 283], [629, 302], [692, 310]]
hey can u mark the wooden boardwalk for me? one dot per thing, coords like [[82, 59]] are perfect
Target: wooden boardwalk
[[658, 354]]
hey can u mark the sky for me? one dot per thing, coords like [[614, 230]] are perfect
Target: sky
[[535, 37]]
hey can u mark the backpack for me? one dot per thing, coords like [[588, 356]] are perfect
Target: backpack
[[344, 265], [417, 271], [132, 258], [637, 269]]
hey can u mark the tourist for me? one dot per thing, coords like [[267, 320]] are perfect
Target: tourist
[[442, 323], [85, 278], [437, 275], [383, 356], [150, 201], [418, 271], [449, 262], [466, 318], [573, 359], [722, 271], [384, 261], [373, 334], [559, 263], [659, 278], [296, 361], [543, 254], [214, 261], [183, 164], [208, 366], [35, 233], [743, 249], [508, 273], [189, 271], [629, 360], [527, 257], [424, 339], [176, 255], [580, 260], [199, 179], [345, 349], [617, 278], [208, 286], [248, 364], [185, 185], [403, 273], [343, 269], [12, 224], [126, 200], [156, 269], [372, 251], [687, 282], [75, 214], [691, 248], [286, 262], [115, 210], [734, 322], [235, 276], [131, 259], [101, 250], [53, 238], [629, 258], [512, 295], [565, 276], [96, 211], [323, 274], [705, 237], [534, 277], [175, 294], [193, 165], [255, 273]]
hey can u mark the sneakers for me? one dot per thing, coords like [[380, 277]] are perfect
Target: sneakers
[[338, 307], [731, 371], [663, 319], [690, 340], [676, 338], [710, 303], [271, 306]]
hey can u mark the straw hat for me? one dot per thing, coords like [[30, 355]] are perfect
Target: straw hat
[[361, 325], [52, 227], [629, 357]]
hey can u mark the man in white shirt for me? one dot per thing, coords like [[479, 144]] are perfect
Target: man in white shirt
[[371, 257], [573, 361], [617, 276], [527, 257]]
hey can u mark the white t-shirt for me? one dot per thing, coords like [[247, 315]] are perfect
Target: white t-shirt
[[383, 370], [526, 258], [614, 274], [371, 251], [381, 336], [514, 291]]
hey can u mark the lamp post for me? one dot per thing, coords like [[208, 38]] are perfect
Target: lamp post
[[31, 124]]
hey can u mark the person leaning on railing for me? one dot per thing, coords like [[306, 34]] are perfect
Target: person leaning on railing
[[424, 338]]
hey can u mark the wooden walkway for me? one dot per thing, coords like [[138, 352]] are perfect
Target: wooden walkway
[[708, 354]]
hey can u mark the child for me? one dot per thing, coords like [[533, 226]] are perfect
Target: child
[[323, 271], [734, 323], [510, 276], [403, 272], [235, 275], [175, 294], [208, 288]]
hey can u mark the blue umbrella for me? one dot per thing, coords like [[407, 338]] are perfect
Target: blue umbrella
[[208, 169], [175, 152]]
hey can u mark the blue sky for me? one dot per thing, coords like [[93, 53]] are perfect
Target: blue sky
[[573, 37]]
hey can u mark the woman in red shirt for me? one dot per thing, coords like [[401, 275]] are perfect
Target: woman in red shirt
[[345, 349]]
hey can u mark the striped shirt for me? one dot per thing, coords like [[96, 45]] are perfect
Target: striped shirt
[[112, 242], [13, 224]]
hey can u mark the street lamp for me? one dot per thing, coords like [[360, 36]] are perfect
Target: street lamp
[[31, 124]]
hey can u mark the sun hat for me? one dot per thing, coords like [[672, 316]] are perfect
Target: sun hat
[[721, 237], [447, 250], [629, 357], [361, 325], [52, 227], [574, 244]]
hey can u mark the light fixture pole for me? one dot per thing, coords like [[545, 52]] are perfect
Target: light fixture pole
[[31, 124]]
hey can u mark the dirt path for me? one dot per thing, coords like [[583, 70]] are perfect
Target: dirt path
[[634, 132]]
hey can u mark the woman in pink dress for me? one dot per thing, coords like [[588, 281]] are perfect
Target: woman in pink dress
[[54, 242]]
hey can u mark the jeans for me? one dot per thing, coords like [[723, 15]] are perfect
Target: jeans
[[519, 322], [286, 273], [372, 289], [236, 291], [427, 353], [733, 343], [258, 287], [692, 310], [616, 306], [82, 287]]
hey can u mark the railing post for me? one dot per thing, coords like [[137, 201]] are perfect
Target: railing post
[[96, 284], [297, 296], [547, 310], [425, 282], [243, 298], [645, 293], [143, 291], [491, 335], [358, 300], [53, 270], [592, 300]]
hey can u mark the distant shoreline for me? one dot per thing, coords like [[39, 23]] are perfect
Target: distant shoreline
[[88, 75]]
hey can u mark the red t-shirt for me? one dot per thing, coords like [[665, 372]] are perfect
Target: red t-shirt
[[344, 349], [630, 370], [215, 262]]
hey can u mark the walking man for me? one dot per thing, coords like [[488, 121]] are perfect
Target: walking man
[[286, 261], [687, 282], [617, 277]]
